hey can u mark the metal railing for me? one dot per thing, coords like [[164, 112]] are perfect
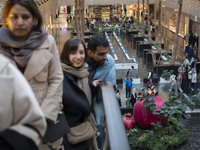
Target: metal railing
[[116, 132]]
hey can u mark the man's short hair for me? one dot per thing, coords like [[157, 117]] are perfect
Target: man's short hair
[[97, 41]]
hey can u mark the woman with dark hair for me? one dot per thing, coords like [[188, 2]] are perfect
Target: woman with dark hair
[[34, 52], [77, 99], [150, 84]]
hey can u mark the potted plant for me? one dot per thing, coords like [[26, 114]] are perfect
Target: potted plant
[[165, 76], [165, 56], [171, 135], [157, 126], [194, 102]]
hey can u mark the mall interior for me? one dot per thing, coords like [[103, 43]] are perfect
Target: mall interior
[[141, 33], [59, 20]]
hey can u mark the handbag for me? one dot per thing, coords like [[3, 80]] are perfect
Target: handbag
[[58, 129], [80, 133]]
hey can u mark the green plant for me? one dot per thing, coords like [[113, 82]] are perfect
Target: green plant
[[166, 74], [161, 137], [174, 107], [171, 135], [156, 46], [196, 101], [167, 56]]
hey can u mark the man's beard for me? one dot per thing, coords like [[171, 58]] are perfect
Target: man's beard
[[100, 62]]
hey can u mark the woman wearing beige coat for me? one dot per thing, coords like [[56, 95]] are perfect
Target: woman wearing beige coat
[[44, 74], [18, 106], [34, 52]]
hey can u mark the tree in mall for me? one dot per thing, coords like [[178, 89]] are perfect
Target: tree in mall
[[143, 15], [79, 12], [148, 20], [174, 53], [159, 24], [138, 20]]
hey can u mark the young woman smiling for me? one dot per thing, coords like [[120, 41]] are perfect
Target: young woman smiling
[[76, 91]]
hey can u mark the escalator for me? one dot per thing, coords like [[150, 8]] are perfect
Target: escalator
[[120, 54]]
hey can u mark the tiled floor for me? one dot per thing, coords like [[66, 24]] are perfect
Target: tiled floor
[[142, 68]]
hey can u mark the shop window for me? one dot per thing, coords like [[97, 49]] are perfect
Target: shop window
[[172, 22]]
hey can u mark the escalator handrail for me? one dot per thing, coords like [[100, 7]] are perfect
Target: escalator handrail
[[116, 132]]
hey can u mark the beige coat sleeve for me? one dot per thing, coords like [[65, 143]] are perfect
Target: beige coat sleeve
[[20, 108]]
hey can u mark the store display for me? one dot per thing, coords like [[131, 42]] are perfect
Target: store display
[[105, 13]]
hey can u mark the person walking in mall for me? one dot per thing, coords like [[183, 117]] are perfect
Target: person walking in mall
[[191, 52], [179, 81], [150, 84], [181, 69], [150, 74], [174, 90], [130, 72], [77, 99], [189, 83], [153, 29], [35, 54], [101, 68], [22, 120], [133, 97], [194, 81], [129, 84], [186, 62], [118, 97], [171, 80], [93, 24]]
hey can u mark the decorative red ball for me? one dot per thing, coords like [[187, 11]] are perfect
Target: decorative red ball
[[128, 121], [144, 117]]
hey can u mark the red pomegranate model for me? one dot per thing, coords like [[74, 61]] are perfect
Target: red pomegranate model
[[143, 117]]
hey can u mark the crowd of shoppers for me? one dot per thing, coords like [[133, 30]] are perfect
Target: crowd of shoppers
[[187, 79]]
